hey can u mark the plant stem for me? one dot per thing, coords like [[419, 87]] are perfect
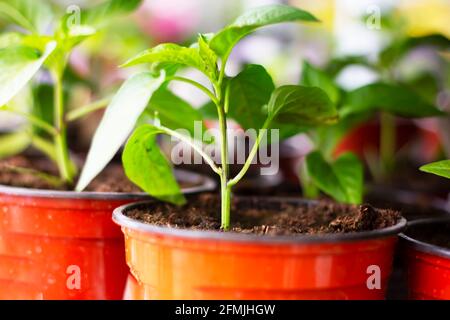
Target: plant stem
[[87, 109], [387, 142], [310, 191], [195, 146], [34, 120], [225, 189], [251, 156], [197, 85], [62, 151]]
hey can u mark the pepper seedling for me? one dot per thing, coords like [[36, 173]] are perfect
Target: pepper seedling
[[342, 178], [46, 42], [250, 98]]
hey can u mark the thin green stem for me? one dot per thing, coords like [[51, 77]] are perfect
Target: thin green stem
[[34, 120], [251, 156], [44, 146], [62, 151], [222, 67], [195, 146], [225, 189], [222, 108], [387, 142], [87, 109], [197, 85], [310, 190]]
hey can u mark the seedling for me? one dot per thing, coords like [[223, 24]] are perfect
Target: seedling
[[250, 98], [46, 41], [342, 178]]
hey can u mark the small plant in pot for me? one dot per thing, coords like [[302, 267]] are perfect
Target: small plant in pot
[[426, 244], [55, 243], [358, 108], [270, 248]]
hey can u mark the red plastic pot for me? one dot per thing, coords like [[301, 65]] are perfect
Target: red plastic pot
[[428, 265], [185, 264], [63, 245], [366, 137]]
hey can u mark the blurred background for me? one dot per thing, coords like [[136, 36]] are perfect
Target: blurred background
[[349, 43]]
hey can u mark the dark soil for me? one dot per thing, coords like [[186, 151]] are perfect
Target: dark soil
[[112, 179], [437, 234], [263, 217]]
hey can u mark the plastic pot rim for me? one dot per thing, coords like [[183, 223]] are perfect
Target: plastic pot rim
[[207, 184], [424, 246], [121, 219]]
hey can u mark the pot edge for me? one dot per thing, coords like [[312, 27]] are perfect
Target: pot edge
[[208, 184], [126, 222], [424, 246]]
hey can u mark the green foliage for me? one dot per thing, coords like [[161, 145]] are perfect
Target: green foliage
[[391, 98], [47, 42], [341, 179], [301, 105], [148, 168], [440, 168], [18, 64], [172, 111], [248, 93], [118, 122], [314, 77], [224, 41], [33, 15]]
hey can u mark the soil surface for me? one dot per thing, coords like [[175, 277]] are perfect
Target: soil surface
[[438, 235], [262, 217], [112, 179]]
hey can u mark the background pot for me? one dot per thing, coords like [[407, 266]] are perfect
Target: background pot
[[185, 264], [428, 265], [63, 245]]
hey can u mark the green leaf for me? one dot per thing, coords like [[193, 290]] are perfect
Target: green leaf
[[147, 167], [208, 56], [301, 106], [440, 168], [174, 112], [9, 39], [248, 92], [118, 122], [342, 179], [104, 12], [43, 94], [17, 66], [399, 49], [313, 77], [209, 111], [170, 53], [14, 143], [395, 99], [336, 65], [33, 15], [223, 42]]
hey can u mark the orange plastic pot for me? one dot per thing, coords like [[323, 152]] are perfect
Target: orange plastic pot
[[366, 137], [63, 245], [428, 266], [184, 264]]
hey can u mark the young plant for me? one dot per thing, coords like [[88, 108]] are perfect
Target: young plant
[[45, 42], [250, 98], [342, 178]]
